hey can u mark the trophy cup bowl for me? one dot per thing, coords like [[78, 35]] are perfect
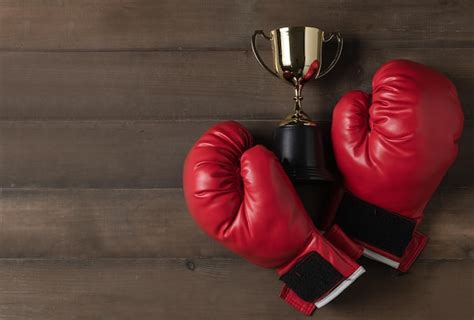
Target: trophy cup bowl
[[297, 58]]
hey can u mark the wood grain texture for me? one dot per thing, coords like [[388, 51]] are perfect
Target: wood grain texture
[[100, 101], [133, 154], [111, 154], [219, 289], [154, 223], [191, 85], [148, 24]]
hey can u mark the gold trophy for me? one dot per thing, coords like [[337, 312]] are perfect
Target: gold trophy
[[297, 58]]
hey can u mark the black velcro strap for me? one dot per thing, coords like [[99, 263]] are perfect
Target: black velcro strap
[[312, 277], [380, 228]]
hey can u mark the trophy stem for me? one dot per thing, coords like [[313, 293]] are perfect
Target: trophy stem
[[298, 115], [298, 98]]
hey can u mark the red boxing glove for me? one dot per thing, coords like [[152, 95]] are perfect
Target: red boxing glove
[[241, 196], [393, 148]]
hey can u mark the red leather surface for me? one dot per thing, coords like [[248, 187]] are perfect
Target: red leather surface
[[394, 147], [416, 245], [241, 196], [305, 307], [341, 241]]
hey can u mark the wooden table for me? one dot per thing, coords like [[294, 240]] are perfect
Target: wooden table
[[99, 103]]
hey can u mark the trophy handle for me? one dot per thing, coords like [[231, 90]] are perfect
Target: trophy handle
[[340, 43], [257, 55]]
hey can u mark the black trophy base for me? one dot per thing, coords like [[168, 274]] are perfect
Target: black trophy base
[[299, 147]]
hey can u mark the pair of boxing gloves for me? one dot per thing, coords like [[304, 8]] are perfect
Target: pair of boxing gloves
[[392, 147]]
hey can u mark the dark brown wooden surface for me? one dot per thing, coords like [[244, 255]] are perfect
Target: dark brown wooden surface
[[134, 154], [218, 288], [153, 223], [223, 25], [99, 103], [190, 85]]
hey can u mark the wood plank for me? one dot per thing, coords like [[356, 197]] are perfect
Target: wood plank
[[111, 154], [133, 154], [148, 24], [154, 223], [219, 289], [448, 224], [91, 223], [191, 85]]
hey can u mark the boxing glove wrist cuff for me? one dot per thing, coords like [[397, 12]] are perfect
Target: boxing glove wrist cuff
[[313, 282], [386, 236], [340, 240], [311, 277]]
